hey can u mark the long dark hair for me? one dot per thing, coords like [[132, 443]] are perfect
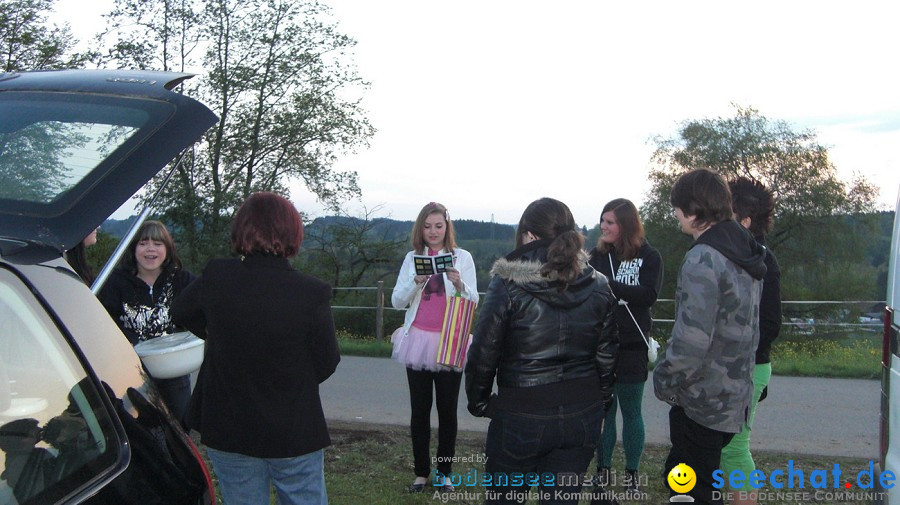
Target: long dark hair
[[77, 259], [151, 230], [551, 219], [631, 230]]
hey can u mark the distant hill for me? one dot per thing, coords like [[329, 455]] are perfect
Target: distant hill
[[488, 241], [117, 227], [466, 229], [469, 230], [470, 234]]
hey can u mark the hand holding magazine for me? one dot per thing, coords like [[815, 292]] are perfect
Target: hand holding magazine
[[430, 265]]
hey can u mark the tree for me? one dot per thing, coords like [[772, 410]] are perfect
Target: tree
[[277, 77], [163, 35], [28, 43], [354, 251], [351, 250], [31, 166], [807, 237]]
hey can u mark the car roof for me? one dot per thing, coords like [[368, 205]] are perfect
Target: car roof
[[76, 144]]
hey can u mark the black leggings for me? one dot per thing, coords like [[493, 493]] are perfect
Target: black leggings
[[446, 385]]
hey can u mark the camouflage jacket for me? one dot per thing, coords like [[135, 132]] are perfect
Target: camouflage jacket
[[709, 359]]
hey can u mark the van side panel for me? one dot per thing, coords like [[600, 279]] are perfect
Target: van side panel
[[890, 380]]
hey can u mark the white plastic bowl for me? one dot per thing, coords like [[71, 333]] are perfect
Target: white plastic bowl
[[21, 407], [171, 355]]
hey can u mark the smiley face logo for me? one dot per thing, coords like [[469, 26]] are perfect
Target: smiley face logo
[[682, 478]]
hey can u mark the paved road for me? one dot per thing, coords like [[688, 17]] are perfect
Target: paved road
[[828, 417]]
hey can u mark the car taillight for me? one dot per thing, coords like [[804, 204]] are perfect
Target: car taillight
[[886, 339], [886, 358], [206, 474]]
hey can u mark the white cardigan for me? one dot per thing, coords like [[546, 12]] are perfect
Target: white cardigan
[[408, 294]]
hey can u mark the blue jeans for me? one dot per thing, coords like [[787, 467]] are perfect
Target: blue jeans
[[554, 445], [244, 480]]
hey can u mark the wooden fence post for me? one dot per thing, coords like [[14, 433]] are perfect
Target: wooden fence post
[[379, 312]]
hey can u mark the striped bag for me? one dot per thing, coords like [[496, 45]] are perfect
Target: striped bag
[[455, 331]]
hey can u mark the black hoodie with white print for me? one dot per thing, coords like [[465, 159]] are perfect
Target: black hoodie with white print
[[140, 310]]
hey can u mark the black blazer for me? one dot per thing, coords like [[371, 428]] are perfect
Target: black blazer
[[270, 342]]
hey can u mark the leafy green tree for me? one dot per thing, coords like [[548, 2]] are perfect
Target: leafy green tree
[[796, 167], [162, 35], [351, 251], [277, 76], [28, 42], [98, 254], [354, 251]]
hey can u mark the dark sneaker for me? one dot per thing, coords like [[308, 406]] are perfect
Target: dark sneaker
[[630, 480], [601, 480], [602, 494]]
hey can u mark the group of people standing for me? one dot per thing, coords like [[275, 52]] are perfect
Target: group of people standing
[[564, 334], [716, 365], [270, 342]]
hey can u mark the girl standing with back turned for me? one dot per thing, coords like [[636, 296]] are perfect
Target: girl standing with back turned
[[547, 333]]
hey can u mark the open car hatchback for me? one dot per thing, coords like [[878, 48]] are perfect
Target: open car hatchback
[[80, 421]]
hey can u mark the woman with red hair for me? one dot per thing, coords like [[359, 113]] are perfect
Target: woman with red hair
[[270, 342]]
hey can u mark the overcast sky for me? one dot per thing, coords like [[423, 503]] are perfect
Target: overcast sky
[[487, 105]]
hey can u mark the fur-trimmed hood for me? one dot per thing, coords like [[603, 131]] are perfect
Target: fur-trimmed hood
[[545, 342], [522, 269], [518, 272]]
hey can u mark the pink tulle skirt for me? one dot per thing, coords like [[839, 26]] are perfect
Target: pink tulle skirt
[[418, 349]]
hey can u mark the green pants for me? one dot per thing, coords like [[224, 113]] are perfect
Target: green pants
[[736, 455], [629, 397]]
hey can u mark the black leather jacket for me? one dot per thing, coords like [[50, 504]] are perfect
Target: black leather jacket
[[529, 333]]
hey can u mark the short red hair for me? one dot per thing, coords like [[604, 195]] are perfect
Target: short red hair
[[267, 224]]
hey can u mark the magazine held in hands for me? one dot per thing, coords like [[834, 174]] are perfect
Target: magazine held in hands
[[430, 265]]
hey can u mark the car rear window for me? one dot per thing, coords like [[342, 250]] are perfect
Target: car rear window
[[59, 144]]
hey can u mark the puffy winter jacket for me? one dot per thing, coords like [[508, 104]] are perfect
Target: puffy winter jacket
[[539, 340]]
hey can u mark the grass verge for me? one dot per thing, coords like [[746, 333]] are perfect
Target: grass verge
[[354, 346], [856, 359], [372, 464]]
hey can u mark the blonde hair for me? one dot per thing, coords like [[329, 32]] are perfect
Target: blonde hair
[[418, 242]]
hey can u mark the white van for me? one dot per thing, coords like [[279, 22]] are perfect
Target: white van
[[889, 445]]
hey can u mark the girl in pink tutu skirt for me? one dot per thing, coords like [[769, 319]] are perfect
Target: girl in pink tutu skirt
[[416, 343]]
